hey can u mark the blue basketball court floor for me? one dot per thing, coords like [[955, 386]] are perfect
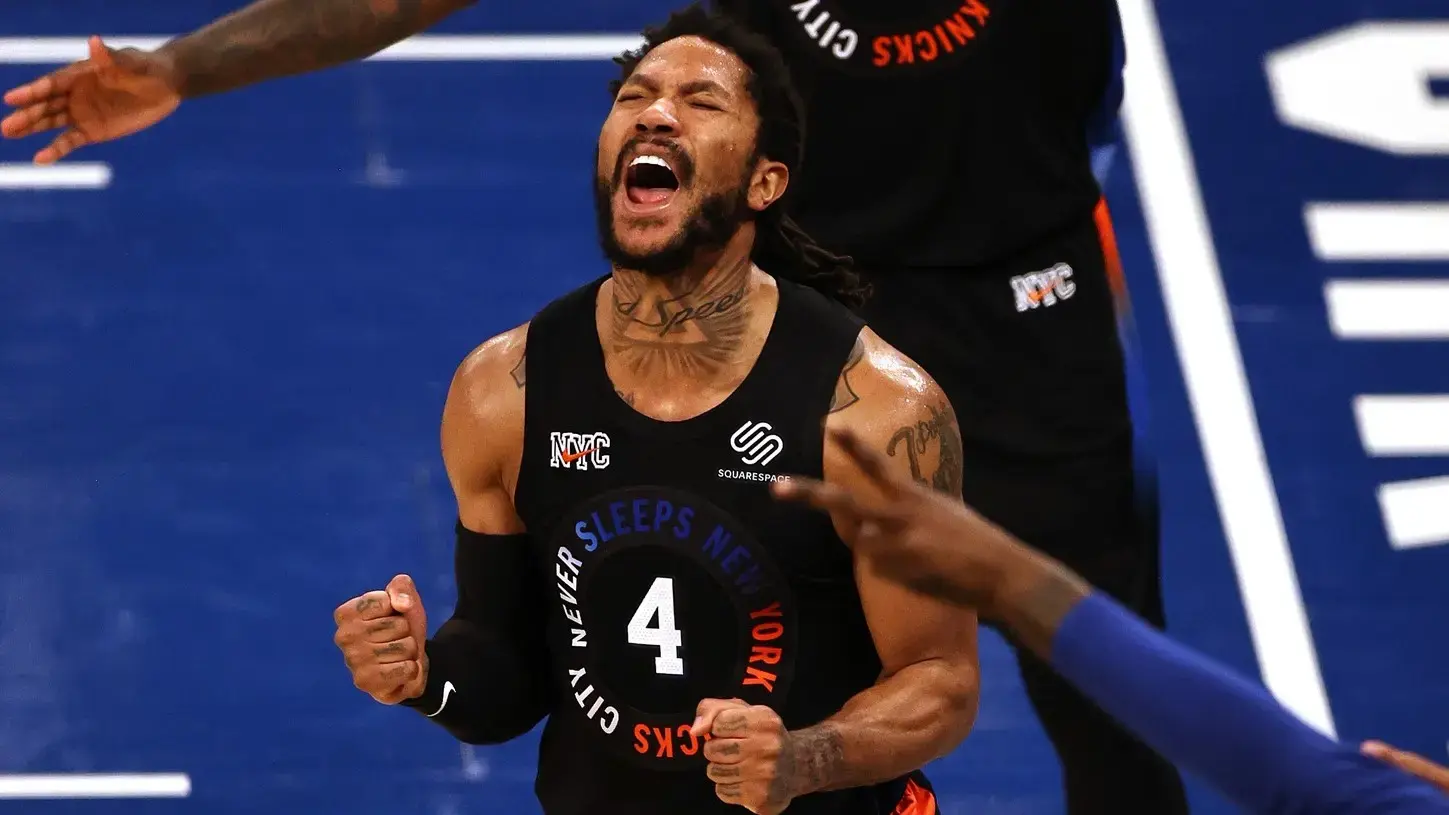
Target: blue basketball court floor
[[224, 345]]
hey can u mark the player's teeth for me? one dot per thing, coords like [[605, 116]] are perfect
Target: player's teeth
[[651, 160]]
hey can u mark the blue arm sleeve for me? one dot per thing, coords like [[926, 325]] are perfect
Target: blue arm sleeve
[[1221, 728]]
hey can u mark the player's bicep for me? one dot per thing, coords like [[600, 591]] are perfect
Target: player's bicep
[[907, 626], [482, 434], [905, 415]]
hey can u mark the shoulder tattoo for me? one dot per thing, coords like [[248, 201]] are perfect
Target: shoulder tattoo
[[520, 371], [845, 395], [914, 440]]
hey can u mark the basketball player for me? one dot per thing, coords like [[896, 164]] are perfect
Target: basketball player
[[951, 160], [707, 646], [1198, 714]]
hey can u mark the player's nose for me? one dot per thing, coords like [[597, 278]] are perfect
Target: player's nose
[[658, 118]]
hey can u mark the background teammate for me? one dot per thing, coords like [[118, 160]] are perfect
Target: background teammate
[[952, 162], [708, 646], [1199, 714]]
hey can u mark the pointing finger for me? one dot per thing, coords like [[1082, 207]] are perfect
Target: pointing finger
[[1411, 763], [828, 497], [870, 461]]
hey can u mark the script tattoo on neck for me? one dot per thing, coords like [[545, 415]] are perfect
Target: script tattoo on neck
[[698, 329], [914, 440], [845, 395]]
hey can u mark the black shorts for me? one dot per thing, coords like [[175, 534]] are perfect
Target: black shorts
[[1029, 354]]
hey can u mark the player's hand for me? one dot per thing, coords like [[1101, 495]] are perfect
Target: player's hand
[[113, 93], [1411, 763], [381, 635], [749, 755], [912, 534]]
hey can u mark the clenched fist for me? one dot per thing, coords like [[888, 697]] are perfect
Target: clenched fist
[[381, 635], [750, 761]]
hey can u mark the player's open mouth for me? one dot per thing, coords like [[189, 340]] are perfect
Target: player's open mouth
[[649, 183]]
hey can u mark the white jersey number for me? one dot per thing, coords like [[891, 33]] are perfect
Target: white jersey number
[[665, 636]]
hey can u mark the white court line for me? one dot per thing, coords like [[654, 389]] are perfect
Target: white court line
[[86, 785], [1403, 425], [421, 48], [1212, 367], [1383, 309], [1406, 231], [73, 176], [1416, 513]]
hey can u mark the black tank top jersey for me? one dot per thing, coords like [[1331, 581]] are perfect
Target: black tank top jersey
[[677, 576], [942, 133]]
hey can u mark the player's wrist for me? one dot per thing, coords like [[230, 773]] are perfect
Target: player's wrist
[[1033, 596], [168, 63], [811, 768]]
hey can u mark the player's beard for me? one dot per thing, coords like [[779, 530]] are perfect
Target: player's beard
[[705, 229]]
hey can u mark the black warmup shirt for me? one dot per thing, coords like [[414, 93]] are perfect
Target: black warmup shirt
[[675, 576], [942, 132]]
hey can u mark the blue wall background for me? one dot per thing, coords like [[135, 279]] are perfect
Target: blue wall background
[[221, 377]]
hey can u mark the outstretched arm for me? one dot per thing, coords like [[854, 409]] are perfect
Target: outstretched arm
[[275, 38], [1211, 722], [116, 92]]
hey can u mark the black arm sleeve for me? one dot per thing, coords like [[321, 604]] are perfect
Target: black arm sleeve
[[488, 675]]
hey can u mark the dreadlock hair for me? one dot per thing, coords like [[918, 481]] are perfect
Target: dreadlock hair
[[781, 246]]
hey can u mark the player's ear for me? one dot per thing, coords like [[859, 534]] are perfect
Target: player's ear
[[767, 184]]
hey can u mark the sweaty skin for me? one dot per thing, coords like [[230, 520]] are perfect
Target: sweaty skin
[[926, 700]]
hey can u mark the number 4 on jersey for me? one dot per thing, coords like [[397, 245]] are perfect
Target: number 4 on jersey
[[666, 636]]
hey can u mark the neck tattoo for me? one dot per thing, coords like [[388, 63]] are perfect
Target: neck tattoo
[[696, 328]]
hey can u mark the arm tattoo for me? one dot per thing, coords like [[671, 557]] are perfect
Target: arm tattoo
[[275, 38], [520, 371], [391, 649], [913, 440], [845, 396], [814, 761], [694, 333]]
